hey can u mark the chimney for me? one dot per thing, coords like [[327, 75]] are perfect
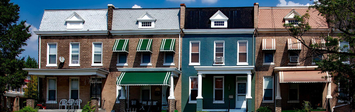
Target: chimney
[[110, 8], [256, 14], [182, 15]]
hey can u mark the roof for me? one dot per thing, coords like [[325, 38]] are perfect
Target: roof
[[126, 19], [239, 17], [55, 20], [273, 17]]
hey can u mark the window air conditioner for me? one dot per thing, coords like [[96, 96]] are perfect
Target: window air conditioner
[[293, 59], [218, 60]]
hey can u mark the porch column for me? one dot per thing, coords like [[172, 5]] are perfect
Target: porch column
[[249, 86], [123, 99], [278, 94], [329, 95], [172, 96], [199, 97]]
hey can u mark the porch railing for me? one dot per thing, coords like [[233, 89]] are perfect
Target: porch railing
[[143, 106]]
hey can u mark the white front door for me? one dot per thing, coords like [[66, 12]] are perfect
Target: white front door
[[241, 90]]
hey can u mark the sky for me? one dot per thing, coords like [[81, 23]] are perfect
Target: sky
[[32, 10]]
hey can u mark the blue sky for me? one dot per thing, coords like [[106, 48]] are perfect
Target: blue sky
[[32, 10]]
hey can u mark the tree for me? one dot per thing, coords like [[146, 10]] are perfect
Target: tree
[[13, 35], [340, 15], [31, 91]]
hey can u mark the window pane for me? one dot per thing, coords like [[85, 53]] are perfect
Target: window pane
[[219, 49], [293, 94], [219, 54], [242, 47], [146, 58], [344, 46], [218, 95], [52, 48], [268, 82], [194, 83], [219, 83], [269, 57], [97, 58], [52, 59], [97, 47], [74, 94], [75, 48], [267, 94], [219, 44], [169, 57], [242, 57], [317, 58], [218, 23], [146, 24], [194, 47], [51, 94], [195, 57], [75, 84], [52, 84], [242, 88], [193, 94], [75, 59], [122, 58]]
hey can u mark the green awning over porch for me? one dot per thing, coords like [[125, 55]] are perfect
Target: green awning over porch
[[143, 78], [144, 45], [120, 45], [167, 45]]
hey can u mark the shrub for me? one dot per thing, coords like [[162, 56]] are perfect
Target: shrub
[[88, 108], [28, 109], [264, 109]]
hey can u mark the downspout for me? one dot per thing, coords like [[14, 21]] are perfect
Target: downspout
[[39, 51], [179, 51]]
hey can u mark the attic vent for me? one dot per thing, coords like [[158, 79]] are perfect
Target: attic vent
[[74, 22], [219, 20]]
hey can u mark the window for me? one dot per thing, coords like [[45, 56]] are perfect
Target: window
[[269, 58], [74, 54], [52, 54], [268, 89], [194, 53], [219, 52], [242, 53], [294, 56], [146, 21], [218, 90], [51, 90], [344, 47], [343, 90], [74, 88], [118, 93], [218, 23], [193, 89], [96, 54], [295, 22], [219, 20], [168, 58], [146, 59], [122, 59], [146, 24], [316, 58], [293, 94]]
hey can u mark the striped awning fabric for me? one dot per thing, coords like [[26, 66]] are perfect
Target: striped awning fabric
[[269, 44], [294, 44], [144, 45], [120, 45], [303, 77], [167, 45], [143, 78]]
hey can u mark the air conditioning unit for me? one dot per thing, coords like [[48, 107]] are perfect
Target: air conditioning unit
[[294, 59], [218, 60]]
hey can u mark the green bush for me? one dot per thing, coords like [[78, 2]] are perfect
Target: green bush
[[264, 109], [28, 109], [87, 108]]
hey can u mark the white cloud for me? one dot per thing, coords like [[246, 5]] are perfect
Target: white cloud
[[181, 0], [136, 6], [32, 41], [291, 3], [209, 1]]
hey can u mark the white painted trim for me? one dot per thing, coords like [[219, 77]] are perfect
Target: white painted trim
[[192, 101], [145, 32], [39, 51], [70, 54], [214, 89], [242, 63], [199, 52], [70, 80], [214, 51], [56, 54], [71, 33], [273, 58], [219, 31], [118, 58], [225, 24], [273, 88], [56, 91], [68, 72], [236, 88], [150, 60], [118, 88], [168, 64], [296, 68], [93, 53]]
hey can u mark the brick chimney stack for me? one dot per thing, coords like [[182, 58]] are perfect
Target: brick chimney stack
[[256, 14], [110, 8], [182, 15]]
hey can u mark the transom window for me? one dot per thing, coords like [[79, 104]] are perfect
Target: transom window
[[74, 54], [193, 89], [195, 53], [218, 92]]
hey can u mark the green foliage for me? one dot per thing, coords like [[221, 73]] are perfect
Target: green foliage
[[28, 109], [88, 108], [264, 109], [13, 35], [31, 91]]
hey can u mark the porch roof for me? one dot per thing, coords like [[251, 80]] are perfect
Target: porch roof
[[68, 72], [224, 69], [143, 78], [301, 74]]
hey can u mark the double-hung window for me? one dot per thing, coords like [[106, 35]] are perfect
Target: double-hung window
[[96, 54], [169, 58], [146, 59], [74, 54], [242, 53], [316, 58], [344, 47], [193, 89], [122, 59], [218, 90], [268, 89], [74, 88], [293, 93], [218, 52], [52, 54], [52, 90], [268, 58], [194, 53]]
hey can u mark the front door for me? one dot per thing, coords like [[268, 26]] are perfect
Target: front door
[[241, 91]]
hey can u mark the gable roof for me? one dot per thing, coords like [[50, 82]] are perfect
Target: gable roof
[[75, 17], [55, 20], [146, 16], [127, 19], [239, 17], [292, 14], [219, 16]]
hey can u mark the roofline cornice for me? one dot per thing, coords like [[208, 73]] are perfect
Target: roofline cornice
[[144, 32], [283, 30], [219, 31], [70, 33], [285, 7]]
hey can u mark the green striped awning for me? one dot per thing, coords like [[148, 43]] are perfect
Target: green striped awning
[[143, 78], [167, 45], [144, 45], [120, 45]]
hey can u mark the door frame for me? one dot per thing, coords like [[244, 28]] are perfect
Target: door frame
[[145, 88], [236, 89]]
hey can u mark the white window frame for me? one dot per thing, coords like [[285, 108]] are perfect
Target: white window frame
[[214, 88], [93, 53], [192, 101], [214, 54], [273, 89], [150, 60], [56, 91], [118, 88], [273, 58], [118, 58], [199, 52], [70, 54], [70, 80], [344, 62], [56, 55], [298, 95], [298, 60], [169, 64], [225, 25], [247, 49], [140, 24]]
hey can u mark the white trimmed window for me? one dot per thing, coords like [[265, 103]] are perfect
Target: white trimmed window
[[268, 58], [218, 89], [194, 53], [74, 54], [219, 20], [218, 53], [268, 89], [74, 88], [51, 90], [118, 93], [52, 54], [74, 22], [344, 47], [293, 93], [96, 54], [122, 59], [294, 56], [193, 89], [169, 59], [146, 21], [146, 59], [242, 52]]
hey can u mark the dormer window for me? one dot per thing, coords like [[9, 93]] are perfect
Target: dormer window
[[74, 22], [295, 22], [290, 17], [146, 21], [219, 20]]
